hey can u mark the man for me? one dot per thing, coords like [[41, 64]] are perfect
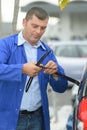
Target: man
[[19, 54]]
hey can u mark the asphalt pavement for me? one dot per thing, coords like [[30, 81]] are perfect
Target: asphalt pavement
[[62, 116], [59, 99], [60, 107]]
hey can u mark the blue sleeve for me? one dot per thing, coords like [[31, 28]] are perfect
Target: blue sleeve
[[61, 84], [8, 71]]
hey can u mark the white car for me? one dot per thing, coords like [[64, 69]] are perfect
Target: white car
[[72, 56]]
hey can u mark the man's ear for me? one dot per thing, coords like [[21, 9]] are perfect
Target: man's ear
[[24, 22]]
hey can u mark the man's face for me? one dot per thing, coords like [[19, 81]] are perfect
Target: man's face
[[34, 29]]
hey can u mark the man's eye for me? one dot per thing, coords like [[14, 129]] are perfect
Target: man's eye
[[34, 26], [43, 28]]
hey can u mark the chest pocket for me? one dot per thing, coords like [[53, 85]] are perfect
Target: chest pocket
[[17, 56]]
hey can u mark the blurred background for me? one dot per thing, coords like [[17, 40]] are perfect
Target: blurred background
[[66, 26]]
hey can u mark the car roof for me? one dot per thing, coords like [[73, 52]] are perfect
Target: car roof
[[60, 43]]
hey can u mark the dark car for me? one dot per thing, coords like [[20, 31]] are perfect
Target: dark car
[[78, 118]]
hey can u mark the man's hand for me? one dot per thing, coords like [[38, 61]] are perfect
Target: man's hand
[[52, 65], [31, 69]]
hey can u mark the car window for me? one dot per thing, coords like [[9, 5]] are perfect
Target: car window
[[82, 50], [66, 51], [83, 89], [71, 51]]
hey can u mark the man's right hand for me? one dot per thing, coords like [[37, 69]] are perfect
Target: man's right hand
[[31, 69]]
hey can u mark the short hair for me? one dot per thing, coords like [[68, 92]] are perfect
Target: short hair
[[38, 12]]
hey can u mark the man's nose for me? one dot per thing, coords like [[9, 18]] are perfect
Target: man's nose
[[38, 30]]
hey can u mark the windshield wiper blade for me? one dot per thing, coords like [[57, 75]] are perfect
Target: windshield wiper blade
[[62, 75], [68, 78], [38, 63]]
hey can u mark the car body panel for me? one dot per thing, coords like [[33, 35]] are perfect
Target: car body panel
[[79, 114]]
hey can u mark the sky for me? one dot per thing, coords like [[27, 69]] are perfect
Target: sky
[[7, 10]]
